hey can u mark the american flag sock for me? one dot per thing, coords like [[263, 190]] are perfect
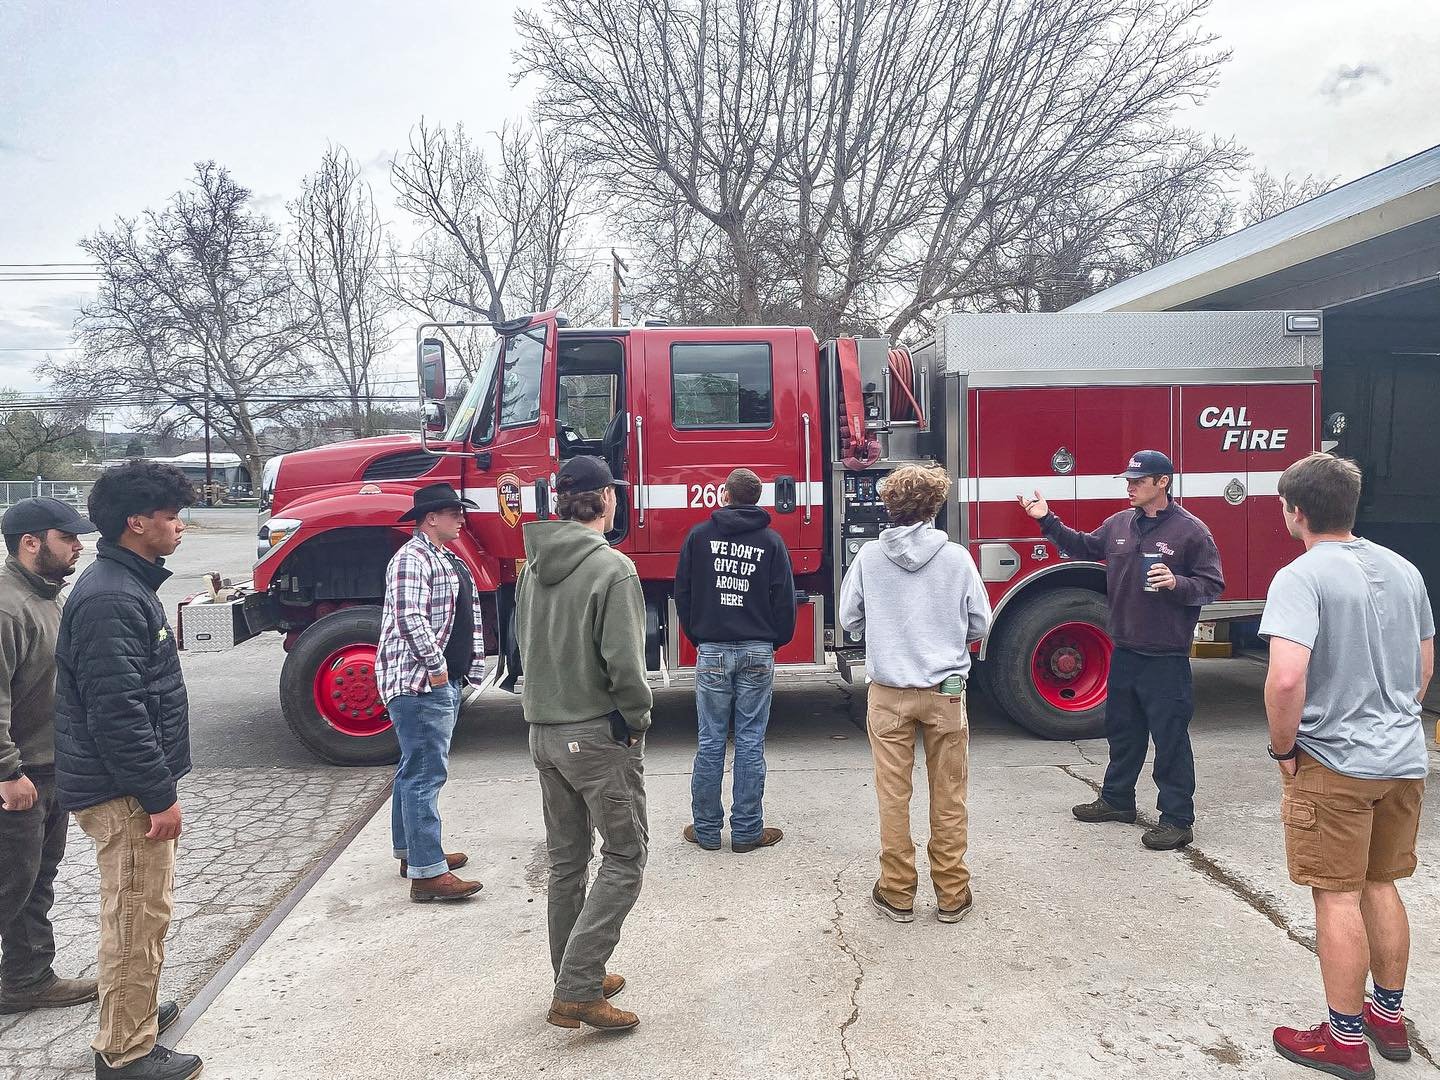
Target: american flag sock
[[1345, 1029], [1386, 1003]]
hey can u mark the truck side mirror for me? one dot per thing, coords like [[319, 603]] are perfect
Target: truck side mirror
[[435, 416], [432, 369]]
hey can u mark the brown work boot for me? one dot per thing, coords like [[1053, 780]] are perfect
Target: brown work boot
[[445, 887], [453, 861], [612, 985], [599, 1014], [767, 838], [58, 993]]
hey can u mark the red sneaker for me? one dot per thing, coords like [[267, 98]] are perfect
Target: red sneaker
[[1315, 1049], [1391, 1040]]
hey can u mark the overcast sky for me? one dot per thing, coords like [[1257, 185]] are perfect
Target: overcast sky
[[104, 107]]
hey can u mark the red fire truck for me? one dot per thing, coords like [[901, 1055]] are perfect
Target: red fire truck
[[1007, 403]]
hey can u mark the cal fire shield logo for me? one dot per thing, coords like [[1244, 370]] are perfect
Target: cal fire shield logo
[[508, 490]]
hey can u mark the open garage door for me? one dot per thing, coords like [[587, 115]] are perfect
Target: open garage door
[[1382, 374]]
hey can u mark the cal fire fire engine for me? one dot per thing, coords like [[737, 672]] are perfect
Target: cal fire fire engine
[[1007, 403]]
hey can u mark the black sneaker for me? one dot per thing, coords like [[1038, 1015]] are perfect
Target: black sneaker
[[1165, 837], [167, 1014], [889, 910], [1100, 810], [159, 1064]]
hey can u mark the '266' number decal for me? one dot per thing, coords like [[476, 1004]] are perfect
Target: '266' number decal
[[706, 495]]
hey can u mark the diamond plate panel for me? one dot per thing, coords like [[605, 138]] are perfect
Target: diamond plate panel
[[1060, 348]]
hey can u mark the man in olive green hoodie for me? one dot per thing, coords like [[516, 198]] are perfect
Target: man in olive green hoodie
[[580, 622]]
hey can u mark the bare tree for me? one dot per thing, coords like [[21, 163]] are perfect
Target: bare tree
[[192, 317], [337, 248], [1270, 195], [861, 162], [501, 233], [31, 439]]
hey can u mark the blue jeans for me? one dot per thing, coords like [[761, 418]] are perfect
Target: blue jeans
[[733, 681], [423, 725]]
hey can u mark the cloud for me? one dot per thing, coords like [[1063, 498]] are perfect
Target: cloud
[[1348, 80], [14, 149]]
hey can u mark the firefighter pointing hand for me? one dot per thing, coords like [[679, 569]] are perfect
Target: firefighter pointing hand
[[1037, 507]]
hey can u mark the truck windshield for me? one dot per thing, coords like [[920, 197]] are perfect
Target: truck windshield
[[512, 367], [481, 388]]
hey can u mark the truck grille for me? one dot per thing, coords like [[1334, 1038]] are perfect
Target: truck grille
[[401, 466]]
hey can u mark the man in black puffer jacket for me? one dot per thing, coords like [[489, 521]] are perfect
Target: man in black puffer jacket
[[122, 742]]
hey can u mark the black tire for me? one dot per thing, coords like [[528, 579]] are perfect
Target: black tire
[[297, 690], [1008, 676]]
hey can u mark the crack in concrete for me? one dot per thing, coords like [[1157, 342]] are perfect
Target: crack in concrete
[[1081, 751], [1260, 902], [854, 957]]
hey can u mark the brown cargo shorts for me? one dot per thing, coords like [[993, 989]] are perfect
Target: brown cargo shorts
[[1341, 831]]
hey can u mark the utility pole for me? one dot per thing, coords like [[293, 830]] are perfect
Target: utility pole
[[617, 264], [208, 488]]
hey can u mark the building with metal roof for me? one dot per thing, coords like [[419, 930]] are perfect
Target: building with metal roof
[[1366, 255]]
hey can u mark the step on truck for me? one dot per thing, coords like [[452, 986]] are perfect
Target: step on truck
[[1009, 404]]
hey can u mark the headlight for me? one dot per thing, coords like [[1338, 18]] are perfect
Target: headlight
[[274, 533]]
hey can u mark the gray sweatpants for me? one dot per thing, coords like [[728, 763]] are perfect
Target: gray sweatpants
[[589, 781]]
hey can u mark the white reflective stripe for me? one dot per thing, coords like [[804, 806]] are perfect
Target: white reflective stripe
[[680, 496], [657, 496], [488, 499], [990, 489]]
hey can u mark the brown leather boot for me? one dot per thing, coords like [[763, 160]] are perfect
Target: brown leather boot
[[599, 1014], [58, 993], [612, 985], [452, 861], [767, 838], [445, 887]]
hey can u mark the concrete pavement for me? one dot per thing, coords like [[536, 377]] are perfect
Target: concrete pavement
[[1085, 956]]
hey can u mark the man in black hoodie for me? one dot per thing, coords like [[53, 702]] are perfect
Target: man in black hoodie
[[735, 594]]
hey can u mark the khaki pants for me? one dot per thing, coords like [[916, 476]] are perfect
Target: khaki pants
[[892, 719], [136, 879]]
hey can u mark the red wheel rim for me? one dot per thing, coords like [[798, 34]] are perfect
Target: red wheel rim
[[346, 694], [1071, 665]]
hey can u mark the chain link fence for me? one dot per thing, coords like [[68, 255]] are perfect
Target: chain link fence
[[74, 492]]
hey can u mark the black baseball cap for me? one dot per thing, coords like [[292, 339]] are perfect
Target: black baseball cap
[[585, 473], [38, 513], [1147, 463]]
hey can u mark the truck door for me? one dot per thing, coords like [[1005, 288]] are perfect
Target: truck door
[[715, 400], [1214, 479], [1025, 442], [513, 436], [1111, 424], [1282, 431]]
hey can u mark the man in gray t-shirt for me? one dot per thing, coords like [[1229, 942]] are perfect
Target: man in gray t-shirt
[[1351, 654], [1362, 705]]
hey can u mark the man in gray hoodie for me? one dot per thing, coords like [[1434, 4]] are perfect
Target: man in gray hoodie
[[919, 601]]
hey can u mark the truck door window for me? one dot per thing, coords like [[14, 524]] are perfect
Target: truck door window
[[520, 379], [721, 385], [587, 402]]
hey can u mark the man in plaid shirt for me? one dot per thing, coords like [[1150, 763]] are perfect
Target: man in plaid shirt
[[430, 642]]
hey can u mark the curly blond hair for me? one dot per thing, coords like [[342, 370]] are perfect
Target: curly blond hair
[[915, 493]]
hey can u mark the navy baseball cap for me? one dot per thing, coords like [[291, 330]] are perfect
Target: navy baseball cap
[[38, 513], [585, 473], [1147, 463]]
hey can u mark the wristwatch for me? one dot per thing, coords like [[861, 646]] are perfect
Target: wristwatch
[[16, 775], [1289, 755]]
